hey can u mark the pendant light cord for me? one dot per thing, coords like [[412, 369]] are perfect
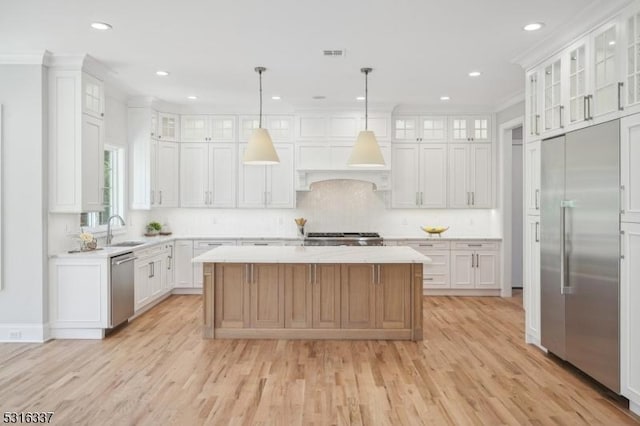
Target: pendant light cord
[[366, 100], [260, 120]]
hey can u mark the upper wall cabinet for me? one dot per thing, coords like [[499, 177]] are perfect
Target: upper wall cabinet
[[470, 129], [579, 76], [631, 65], [267, 186], [207, 128], [76, 141], [605, 62], [340, 126], [553, 95], [420, 129], [168, 127], [532, 107], [280, 127]]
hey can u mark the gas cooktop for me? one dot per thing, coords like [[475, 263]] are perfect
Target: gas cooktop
[[343, 239]]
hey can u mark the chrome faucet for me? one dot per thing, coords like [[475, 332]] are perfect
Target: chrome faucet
[[109, 235]]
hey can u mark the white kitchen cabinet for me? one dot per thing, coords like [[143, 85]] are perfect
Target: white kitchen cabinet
[[247, 124], [531, 278], [420, 129], [267, 186], [553, 95], [207, 174], [262, 242], [150, 277], [532, 89], [475, 265], [168, 127], [76, 145], [630, 314], [532, 177], [331, 155], [280, 127], [380, 125], [435, 274], [341, 126], [207, 128], [606, 66], [470, 175], [153, 123], [92, 96], [629, 168], [470, 128], [631, 60], [169, 267], [311, 127], [579, 82], [419, 176], [201, 247], [165, 174], [182, 264]]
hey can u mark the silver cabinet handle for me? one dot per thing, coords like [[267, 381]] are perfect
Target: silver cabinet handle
[[621, 244], [373, 274], [378, 267], [537, 197], [152, 197], [585, 100], [473, 258], [417, 202], [622, 200], [150, 270], [421, 199], [477, 260], [253, 278], [537, 124], [129, 259], [590, 103], [473, 198], [537, 232], [425, 245], [315, 274], [206, 197], [246, 273], [310, 274], [561, 113], [620, 85], [467, 198], [562, 248], [428, 279], [474, 245], [160, 197], [260, 244]]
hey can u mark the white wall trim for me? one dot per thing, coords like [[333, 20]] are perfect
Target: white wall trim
[[504, 198], [77, 333], [29, 58], [510, 101], [34, 333]]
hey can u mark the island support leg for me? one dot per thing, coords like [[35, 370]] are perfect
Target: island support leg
[[208, 300], [416, 322]]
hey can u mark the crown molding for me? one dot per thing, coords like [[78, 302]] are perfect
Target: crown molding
[[577, 27], [26, 58], [510, 101]]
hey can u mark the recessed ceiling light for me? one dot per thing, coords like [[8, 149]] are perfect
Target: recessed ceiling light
[[102, 26], [162, 73], [474, 74], [192, 97], [612, 43], [276, 98], [319, 97], [444, 98], [534, 26], [360, 98]]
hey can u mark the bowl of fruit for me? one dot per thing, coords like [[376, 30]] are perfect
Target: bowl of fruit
[[434, 230]]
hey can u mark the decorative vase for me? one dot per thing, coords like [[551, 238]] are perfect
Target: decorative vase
[[301, 230]]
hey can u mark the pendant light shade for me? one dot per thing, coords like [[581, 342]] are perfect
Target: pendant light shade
[[260, 150], [366, 152]]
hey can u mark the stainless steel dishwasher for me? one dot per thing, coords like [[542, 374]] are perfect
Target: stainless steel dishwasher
[[122, 288]]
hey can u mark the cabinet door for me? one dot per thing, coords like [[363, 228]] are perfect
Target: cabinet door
[[342, 127], [251, 183], [153, 124], [158, 275], [222, 128], [194, 166], [433, 129], [222, 175], [311, 127], [358, 296], [405, 176], [298, 292], [194, 128], [279, 185], [436, 273], [280, 127], [606, 72], [326, 296], [142, 290], [532, 178], [267, 296], [393, 298], [480, 128], [247, 125], [92, 96], [167, 174], [462, 269], [629, 312], [459, 131], [380, 125], [168, 126], [313, 156], [182, 264], [532, 124], [169, 267], [579, 83], [92, 164], [631, 65], [629, 170], [552, 108], [459, 192], [487, 269], [531, 279], [232, 308], [480, 176], [433, 176], [153, 173], [405, 129]]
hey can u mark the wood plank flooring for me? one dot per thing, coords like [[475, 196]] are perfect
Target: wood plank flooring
[[473, 367]]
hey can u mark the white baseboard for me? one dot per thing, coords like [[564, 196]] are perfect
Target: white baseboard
[[24, 333], [190, 290], [460, 292], [634, 407], [77, 333]]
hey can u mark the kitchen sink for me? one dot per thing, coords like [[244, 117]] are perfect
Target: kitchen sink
[[128, 244]]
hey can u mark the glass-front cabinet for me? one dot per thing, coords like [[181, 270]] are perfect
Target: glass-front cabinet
[[552, 98], [532, 106], [607, 87], [578, 82]]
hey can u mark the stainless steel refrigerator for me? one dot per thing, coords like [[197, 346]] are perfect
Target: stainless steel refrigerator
[[580, 243]]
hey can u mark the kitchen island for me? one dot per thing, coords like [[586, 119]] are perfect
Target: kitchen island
[[313, 292]]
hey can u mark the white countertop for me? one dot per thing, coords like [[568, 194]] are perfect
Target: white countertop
[[316, 254]]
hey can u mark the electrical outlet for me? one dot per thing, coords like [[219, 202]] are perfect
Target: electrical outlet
[[15, 335]]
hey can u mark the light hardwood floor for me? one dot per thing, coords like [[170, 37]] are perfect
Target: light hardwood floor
[[473, 367]]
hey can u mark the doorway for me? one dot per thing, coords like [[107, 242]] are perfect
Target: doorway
[[517, 203]]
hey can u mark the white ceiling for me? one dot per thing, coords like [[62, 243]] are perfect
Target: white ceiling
[[419, 49]]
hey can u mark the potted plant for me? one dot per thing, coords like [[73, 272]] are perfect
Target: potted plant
[[153, 229]]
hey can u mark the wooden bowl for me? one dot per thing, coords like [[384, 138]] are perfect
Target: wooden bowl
[[434, 230]]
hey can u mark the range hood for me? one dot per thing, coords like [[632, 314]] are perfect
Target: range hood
[[380, 178]]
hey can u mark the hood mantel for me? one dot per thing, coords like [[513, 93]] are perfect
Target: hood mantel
[[380, 178]]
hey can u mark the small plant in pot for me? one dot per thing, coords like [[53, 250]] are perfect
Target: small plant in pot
[[153, 229]]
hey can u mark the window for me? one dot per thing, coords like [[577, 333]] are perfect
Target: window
[[113, 198]]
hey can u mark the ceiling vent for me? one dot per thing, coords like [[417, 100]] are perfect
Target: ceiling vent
[[334, 53]]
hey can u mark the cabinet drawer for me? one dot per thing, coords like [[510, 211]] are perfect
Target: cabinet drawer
[[150, 251], [425, 246], [436, 281], [475, 245], [210, 244], [262, 243], [439, 263]]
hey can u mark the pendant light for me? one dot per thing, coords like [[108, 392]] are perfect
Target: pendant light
[[366, 152], [260, 150]]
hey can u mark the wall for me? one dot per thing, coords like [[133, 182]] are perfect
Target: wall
[[339, 205], [509, 113], [517, 207], [24, 169]]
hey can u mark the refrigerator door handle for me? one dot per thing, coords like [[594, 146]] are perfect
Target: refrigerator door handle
[[562, 246]]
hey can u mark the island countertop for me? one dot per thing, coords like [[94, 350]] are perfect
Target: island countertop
[[312, 254]]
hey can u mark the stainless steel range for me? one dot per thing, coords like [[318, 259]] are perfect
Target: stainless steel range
[[343, 239]]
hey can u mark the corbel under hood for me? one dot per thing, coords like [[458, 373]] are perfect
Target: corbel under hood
[[380, 178]]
